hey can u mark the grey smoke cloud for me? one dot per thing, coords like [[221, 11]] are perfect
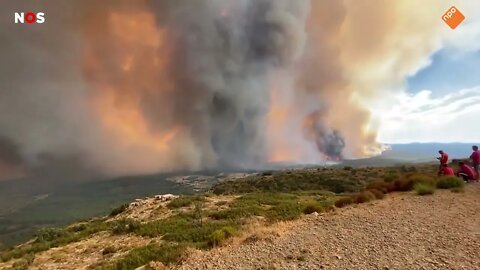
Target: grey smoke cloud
[[224, 76]]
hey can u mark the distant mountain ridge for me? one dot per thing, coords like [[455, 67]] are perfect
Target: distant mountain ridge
[[427, 151]]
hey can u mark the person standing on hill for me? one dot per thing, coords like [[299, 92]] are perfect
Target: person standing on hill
[[443, 158], [475, 157], [446, 171], [466, 172]]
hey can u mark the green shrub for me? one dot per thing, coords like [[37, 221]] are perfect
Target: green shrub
[[313, 207], [424, 189], [342, 202], [329, 180], [183, 228], [50, 234], [448, 182], [424, 179], [284, 211], [185, 201], [119, 210], [391, 176], [219, 236], [236, 213], [125, 226], [167, 253]]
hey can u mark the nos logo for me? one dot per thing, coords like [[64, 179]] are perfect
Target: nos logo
[[29, 17]]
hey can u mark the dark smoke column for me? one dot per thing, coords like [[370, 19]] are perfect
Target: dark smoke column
[[329, 142], [224, 53]]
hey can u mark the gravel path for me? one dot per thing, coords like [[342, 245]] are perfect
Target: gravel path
[[403, 231]]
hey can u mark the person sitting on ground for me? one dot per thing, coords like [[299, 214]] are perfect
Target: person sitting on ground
[[466, 172], [443, 158], [475, 157], [446, 171]]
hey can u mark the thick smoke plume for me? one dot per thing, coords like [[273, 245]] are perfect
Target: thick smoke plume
[[329, 142], [123, 87]]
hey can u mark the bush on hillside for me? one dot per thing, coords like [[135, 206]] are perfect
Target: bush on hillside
[[391, 176], [382, 186], [364, 196], [424, 179], [424, 189], [448, 182], [221, 235], [284, 211], [342, 202], [125, 226], [49, 234], [185, 201], [119, 210], [166, 253], [235, 213], [311, 207]]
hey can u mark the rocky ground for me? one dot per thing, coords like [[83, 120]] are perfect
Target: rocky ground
[[403, 231]]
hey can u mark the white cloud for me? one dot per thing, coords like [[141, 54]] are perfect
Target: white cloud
[[464, 38], [422, 118]]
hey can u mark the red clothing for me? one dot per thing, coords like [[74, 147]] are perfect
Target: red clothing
[[475, 157], [468, 171], [447, 171], [444, 158]]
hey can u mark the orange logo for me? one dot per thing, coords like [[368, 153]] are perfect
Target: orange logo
[[453, 17]]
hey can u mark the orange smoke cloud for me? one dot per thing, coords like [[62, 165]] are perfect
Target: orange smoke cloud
[[277, 117], [126, 61], [134, 48]]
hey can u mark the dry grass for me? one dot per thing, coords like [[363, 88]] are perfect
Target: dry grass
[[87, 252], [377, 193], [342, 202], [364, 197]]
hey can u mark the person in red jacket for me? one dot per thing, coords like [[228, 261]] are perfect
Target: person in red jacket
[[466, 172], [475, 157], [443, 158], [446, 171]]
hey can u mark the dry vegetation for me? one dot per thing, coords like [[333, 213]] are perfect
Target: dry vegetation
[[132, 236]]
